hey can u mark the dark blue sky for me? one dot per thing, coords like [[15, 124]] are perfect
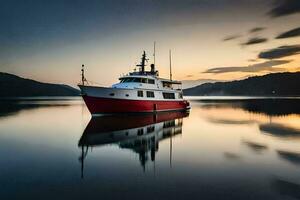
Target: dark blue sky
[[35, 33]]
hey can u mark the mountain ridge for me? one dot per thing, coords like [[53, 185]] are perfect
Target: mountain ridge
[[274, 84], [15, 86]]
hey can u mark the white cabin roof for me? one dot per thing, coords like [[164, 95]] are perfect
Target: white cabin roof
[[152, 77], [138, 76]]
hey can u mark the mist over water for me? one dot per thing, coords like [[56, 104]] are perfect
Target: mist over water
[[223, 149]]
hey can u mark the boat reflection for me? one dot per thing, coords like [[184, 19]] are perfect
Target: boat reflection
[[139, 133]]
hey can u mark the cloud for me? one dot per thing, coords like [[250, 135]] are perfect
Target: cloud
[[291, 33], [265, 66], [280, 52], [257, 29], [231, 37], [285, 7], [255, 40]]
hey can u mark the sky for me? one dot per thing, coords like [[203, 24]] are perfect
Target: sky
[[210, 39]]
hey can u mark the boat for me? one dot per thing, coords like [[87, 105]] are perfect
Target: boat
[[136, 92]]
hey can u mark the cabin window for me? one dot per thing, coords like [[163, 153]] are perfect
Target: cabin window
[[167, 95], [127, 95], [150, 94], [140, 93], [112, 94], [137, 80], [151, 81], [144, 80], [180, 95], [166, 84], [128, 80], [125, 80]]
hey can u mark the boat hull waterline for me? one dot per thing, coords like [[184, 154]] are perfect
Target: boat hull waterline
[[99, 105]]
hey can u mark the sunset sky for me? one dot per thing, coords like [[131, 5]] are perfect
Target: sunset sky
[[210, 39]]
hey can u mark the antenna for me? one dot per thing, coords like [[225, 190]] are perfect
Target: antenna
[[170, 57], [154, 53], [82, 75]]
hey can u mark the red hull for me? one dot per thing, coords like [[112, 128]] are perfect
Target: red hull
[[106, 105]]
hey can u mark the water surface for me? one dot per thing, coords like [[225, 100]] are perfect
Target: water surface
[[240, 148]]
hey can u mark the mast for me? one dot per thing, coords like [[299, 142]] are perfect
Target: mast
[[170, 65], [143, 62]]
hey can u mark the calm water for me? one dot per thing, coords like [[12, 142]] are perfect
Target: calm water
[[222, 149]]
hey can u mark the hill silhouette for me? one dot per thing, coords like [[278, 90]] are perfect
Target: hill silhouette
[[275, 84], [15, 86]]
